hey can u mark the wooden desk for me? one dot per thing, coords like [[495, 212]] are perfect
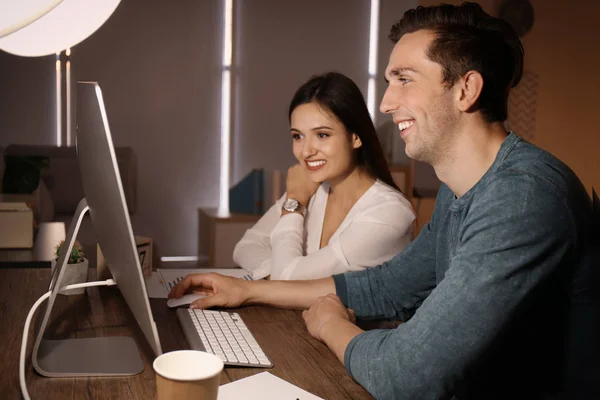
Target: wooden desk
[[297, 357]]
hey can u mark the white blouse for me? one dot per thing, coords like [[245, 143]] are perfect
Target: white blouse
[[378, 227]]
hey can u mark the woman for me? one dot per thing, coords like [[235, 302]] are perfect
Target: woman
[[341, 210]]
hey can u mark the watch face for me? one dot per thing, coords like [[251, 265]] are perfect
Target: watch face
[[291, 205]]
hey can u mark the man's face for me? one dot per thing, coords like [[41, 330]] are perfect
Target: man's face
[[421, 106]]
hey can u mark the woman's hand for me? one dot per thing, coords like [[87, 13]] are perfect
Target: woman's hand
[[299, 186]]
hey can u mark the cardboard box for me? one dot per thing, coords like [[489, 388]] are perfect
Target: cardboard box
[[16, 222], [144, 248]]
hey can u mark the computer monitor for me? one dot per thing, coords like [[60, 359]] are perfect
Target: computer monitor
[[105, 201]]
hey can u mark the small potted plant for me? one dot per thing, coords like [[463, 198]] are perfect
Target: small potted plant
[[76, 270]]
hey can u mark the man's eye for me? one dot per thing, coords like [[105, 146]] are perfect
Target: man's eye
[[404, 80]]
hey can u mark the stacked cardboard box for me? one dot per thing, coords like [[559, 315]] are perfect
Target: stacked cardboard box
[[16, 222]]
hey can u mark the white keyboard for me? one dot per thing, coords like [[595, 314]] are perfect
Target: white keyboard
[[224, 334]]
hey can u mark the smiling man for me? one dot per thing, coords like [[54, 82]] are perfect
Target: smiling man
[[500, 289]]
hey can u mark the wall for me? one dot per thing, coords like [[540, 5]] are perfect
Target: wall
[[561, 49], [27, 100]]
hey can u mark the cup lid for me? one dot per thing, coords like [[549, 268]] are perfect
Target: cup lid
[[187, 365]]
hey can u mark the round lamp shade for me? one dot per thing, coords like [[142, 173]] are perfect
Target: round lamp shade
[[57, 27], [15, 16]]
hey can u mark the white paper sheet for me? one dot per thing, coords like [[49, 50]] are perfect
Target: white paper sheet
[[163, 279], [263, 386]]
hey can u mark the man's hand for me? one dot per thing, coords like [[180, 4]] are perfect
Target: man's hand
[[327, 310], [298, 184], [221, 291]]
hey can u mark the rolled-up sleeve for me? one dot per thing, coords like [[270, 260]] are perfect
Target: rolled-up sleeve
[[253, 251]]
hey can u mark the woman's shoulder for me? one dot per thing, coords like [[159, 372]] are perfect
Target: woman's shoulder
[[381, 191], [386, 204]]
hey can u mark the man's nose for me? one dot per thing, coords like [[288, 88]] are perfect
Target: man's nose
[[388, 105]]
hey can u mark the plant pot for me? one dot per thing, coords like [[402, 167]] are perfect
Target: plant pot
[[74, 273]]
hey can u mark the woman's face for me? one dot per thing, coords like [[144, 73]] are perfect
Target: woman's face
[[321, 143]]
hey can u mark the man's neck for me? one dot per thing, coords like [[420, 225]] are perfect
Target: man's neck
[[474, 150]]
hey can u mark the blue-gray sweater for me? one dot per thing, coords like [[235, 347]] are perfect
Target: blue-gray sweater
[[497, 291]]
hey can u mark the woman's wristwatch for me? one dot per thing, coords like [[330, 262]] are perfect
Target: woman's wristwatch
[[293, 205]]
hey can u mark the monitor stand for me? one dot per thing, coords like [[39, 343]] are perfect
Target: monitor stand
[[98, 356]]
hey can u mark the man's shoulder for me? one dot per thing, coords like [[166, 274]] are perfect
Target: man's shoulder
[[527, 159], [532, 184], [530, 169]]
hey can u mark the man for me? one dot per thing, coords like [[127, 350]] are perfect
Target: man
[[499, 291]]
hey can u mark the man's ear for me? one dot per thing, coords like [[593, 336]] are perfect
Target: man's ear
[[356, 142], [471, 86]]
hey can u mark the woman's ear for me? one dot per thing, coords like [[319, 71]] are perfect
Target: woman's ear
[[356, 142]]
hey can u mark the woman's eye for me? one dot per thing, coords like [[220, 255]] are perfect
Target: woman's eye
[[322, 135], [296, 136]]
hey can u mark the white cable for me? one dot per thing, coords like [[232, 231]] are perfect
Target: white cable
[[108, 282]]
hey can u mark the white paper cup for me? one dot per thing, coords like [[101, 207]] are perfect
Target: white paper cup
[[187, 375]]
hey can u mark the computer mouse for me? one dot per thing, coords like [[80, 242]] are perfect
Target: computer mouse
[[184, 300]]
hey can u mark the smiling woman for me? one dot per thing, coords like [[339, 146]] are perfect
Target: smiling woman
[[342, 210]]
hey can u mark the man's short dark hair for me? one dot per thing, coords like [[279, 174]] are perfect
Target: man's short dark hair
[[469, 39]]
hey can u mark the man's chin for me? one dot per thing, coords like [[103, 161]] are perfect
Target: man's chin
[[410, 153], [415, 155]]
